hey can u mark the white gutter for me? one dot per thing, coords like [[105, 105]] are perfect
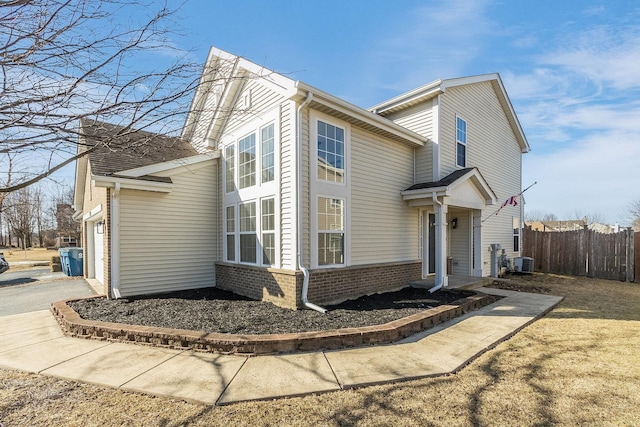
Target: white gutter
[[114, 277], [305, 271], [440, 275]]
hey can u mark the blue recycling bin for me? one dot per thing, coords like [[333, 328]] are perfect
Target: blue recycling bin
[[72, 261], [64, 260]]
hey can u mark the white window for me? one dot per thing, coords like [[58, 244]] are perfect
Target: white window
[[248, 235], [268, 153], [268, 225], [230, 233], [331, 159], [461, 142], [247, 161], [230, 160], [331, 231], [516, 234]]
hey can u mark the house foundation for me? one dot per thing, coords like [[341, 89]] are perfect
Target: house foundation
[[326, 286]]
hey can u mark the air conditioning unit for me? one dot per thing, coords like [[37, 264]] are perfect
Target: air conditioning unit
[[523, 264]]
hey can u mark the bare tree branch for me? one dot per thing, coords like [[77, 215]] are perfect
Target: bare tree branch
[[65, 60]]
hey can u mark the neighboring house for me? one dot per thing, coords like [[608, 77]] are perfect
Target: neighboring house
[[67, 229], [573, 225], [302, 196]]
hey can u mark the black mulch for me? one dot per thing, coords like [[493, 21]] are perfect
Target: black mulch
[[215, 310]]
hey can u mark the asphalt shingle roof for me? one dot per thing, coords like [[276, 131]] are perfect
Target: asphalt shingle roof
[[447, 180], [120, 149]]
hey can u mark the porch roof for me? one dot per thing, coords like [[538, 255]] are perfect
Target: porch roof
[[464, 187]]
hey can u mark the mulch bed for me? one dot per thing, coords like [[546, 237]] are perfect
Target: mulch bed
[[218, 311]]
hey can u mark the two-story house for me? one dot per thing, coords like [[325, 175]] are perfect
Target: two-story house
[[280, 191]]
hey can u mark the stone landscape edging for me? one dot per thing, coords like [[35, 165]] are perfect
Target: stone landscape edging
[[75, 326]]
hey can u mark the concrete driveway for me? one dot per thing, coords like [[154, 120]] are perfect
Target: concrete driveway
[[35, 289]]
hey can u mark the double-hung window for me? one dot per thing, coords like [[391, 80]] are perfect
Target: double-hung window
[[331, 230], [461, 142]]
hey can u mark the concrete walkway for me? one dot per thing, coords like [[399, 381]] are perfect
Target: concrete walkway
[[33, 342]]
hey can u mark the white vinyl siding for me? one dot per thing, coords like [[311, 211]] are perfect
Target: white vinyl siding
[[419, 119], [262, 99], [287, 187], [498, 157], [383, 227], [169, 241]]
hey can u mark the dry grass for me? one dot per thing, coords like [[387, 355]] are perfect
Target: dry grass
[[576, 366], [33, 254]]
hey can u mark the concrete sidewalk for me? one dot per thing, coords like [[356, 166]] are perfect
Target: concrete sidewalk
[[33, 342]]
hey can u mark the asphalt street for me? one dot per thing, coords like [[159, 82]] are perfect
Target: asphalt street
[[35, 289]]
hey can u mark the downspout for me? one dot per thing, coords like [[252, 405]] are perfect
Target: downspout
[[305, 271], [439, 277], [114, 275]]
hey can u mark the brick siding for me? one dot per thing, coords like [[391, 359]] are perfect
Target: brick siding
[[326, 286]]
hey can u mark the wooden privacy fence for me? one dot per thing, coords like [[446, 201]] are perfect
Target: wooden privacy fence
[[582, 253]]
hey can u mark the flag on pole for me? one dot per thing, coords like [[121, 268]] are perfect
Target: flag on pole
[[513, 201]]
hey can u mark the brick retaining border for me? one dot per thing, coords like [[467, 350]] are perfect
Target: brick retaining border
[[73, 325]]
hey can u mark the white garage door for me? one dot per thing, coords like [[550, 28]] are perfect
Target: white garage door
[[98, 243]]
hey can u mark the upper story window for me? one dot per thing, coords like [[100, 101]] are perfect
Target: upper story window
[[247, 161], [330, 153], [250, 162], [268, 153], [230, 161], [461, 142]]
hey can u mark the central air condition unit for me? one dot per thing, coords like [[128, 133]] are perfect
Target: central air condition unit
[[523, 264]]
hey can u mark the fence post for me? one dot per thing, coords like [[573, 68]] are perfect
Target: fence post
[[629, 263]]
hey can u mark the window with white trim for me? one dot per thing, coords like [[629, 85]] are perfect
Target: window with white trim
[[461, 142], [247, 161], [268, 153], [248, 232], [331, 159], [229, 171], [230, 233], [331, 231], [268, 226], [516, 234]]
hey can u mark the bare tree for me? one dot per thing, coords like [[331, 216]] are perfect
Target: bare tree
[[541, 216], [633, 213], [19, 213], [64, 60]]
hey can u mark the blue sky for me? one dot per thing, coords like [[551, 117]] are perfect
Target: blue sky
[[571, 68]]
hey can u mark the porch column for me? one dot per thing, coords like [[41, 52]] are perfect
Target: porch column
[[477, 243], [441, 246]]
